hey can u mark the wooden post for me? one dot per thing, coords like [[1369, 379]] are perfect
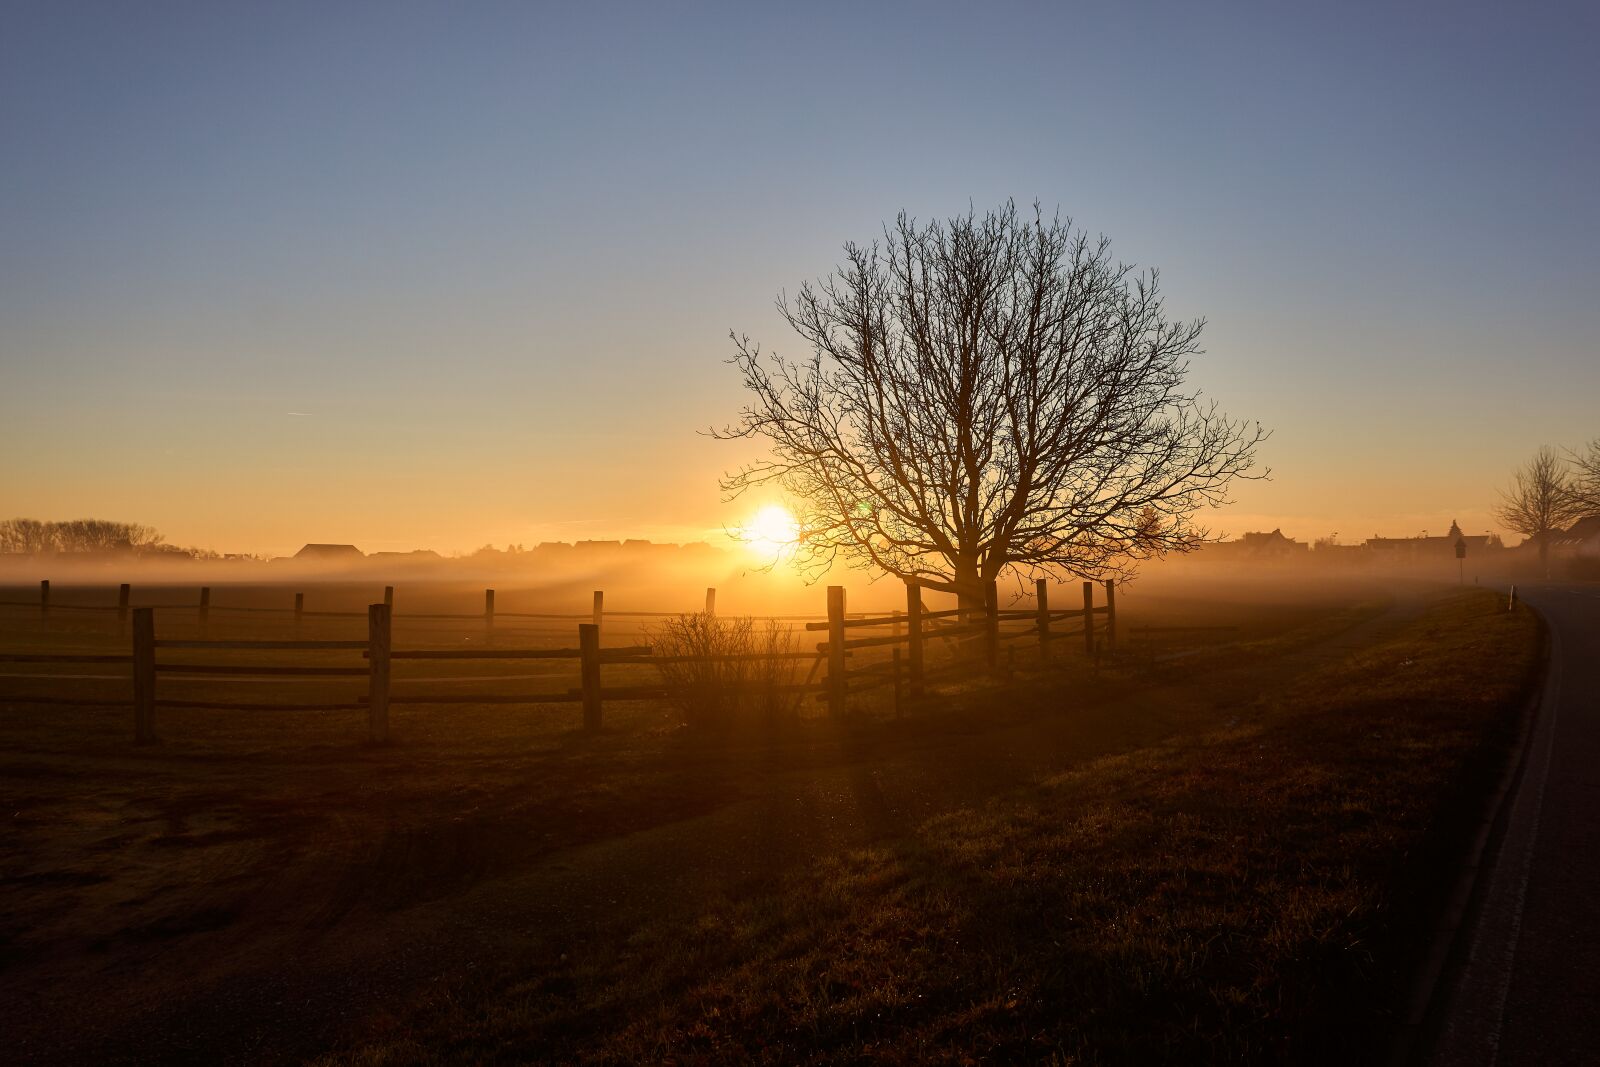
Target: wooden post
[[589, 670], [388, 597], [711, 602], [599, 605], [124, 594], [1111, 614], [1088, 619], [205, 610], [379, 638], [44, 599], [1041, 594], [914, 637], [299, 611], [895, 657], [991, 625], [836, 679], [488, 614], [144, 676]]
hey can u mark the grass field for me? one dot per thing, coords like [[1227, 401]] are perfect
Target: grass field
[[1228, 855]]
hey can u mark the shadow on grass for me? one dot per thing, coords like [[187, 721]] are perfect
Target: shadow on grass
[[1251, 884]]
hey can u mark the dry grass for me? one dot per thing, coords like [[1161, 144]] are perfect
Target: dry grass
[[1252, 889], [1079, 867]]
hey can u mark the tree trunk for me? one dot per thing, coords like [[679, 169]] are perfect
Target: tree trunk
[[969, 587]]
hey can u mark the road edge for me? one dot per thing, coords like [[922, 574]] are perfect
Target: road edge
[[1435, 978]]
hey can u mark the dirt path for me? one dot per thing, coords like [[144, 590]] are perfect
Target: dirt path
[[273, 967]]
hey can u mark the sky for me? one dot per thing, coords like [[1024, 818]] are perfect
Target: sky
[[436, 275]]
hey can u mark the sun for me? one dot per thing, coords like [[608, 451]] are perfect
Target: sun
[[771, 532]]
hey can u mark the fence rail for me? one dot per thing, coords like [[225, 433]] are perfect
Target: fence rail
[[61, 657], [987, 626], [203, 607]]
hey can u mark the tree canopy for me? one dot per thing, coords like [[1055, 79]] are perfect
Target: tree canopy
[[33, 537], [988, 392], [1540, 501]]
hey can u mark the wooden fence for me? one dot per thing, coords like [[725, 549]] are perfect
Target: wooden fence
[[989, 628], [203, 608]]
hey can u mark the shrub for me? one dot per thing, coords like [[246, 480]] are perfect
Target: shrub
[[738, 671]]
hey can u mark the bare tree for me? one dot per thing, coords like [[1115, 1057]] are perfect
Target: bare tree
[[987, 393], [1586, 478], [1540, 502]]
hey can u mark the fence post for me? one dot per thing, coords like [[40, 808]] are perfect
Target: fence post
[[379, 634], [299, 610], [488, 614], [1088, 619], [914, 637], [388, 597], [144, 676], [44, 599], [991, 625], [124, 593], [711, 602], [599, 605], [1111, 614], [205, 610], [836, 679], [1041, 593], [589, 670]]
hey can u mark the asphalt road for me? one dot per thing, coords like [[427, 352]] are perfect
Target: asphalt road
[[1527, 988]]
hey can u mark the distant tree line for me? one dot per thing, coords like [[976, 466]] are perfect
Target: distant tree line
[[31, 537]]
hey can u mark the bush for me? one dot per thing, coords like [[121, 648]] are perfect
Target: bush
[[739, 670]]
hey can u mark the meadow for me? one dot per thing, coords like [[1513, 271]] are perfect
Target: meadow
[[1227, 848]]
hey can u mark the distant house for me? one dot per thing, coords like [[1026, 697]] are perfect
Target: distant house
[[329, 554], [1582, 538], [1274, 545], [1405, 549], [1258, 548], [416, 555]]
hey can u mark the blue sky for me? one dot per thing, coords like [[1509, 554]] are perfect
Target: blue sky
[[488, 254]]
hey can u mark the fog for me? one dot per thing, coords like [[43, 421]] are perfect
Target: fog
[[640, 577]]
